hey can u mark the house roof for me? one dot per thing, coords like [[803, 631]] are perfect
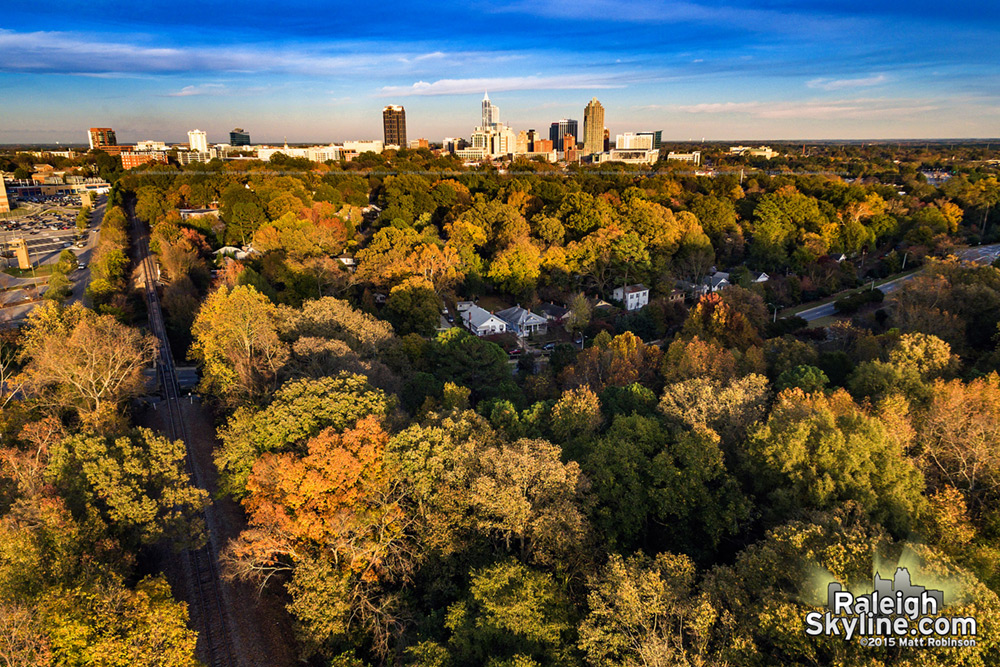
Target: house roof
[[519, 316], [631, 289], [716, 279], [552, 310], [477, 317]]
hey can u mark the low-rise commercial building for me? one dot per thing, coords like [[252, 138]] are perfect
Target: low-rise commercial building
[[693, 157], [136, 158], [628, 156], [359, 147]]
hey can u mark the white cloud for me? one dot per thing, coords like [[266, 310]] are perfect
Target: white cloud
[[469, 86], [201, 89], [95, 55], [871, 108], [840, 84]]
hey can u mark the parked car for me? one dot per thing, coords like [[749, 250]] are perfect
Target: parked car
[[549, 346], [515, 352]]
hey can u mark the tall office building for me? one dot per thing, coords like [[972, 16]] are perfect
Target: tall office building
[[593, 127], [198, 141], [102, 137], [491, 113], [570, 154], [559, 130], [532, 138], [394, 125], [657, 137], [239, 137], [521, 145]]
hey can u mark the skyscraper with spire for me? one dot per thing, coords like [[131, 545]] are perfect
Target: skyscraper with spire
[[491, 112], [593, 127], [492, 137]]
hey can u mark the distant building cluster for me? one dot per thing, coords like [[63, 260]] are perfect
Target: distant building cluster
[[762, 151], [491, 139]]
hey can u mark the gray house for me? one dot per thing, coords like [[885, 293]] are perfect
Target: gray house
[[523, 322]]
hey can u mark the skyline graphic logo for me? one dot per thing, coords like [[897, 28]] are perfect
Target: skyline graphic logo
[[896, 612]]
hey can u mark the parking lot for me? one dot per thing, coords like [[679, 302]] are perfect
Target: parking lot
[[48, 228]]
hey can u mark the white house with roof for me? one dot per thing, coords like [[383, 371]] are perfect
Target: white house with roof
[[482, 322], [523, 322], [716, 281], [633, 296]]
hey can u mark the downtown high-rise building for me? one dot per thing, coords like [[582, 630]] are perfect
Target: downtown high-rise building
[[394, 125], [239, 137], [101, 137], [559, 130], [198, 141], [491, 113], [593, 127], [492, 138]]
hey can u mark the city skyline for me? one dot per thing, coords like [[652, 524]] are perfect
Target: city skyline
[[735, 70]]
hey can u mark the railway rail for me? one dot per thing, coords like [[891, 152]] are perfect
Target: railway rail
[[215, 645]]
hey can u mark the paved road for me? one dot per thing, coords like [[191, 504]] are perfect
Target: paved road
[[81, 277], [985, 254]]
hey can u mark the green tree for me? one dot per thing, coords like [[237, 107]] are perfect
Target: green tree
[[67, 261], [512, 615], [818, 452], [579, 313], [59, 287], [138, 482], [458, 356], [118, 627], [524, 496], [414, 307], [807, 378], [645, 476], [646, 611], [236, 341]]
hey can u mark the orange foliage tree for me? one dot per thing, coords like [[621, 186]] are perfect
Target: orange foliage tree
[[332, 518]]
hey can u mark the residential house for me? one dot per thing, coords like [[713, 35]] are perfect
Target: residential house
[[716, 281], [480, 321], [676, 296], [633, 296], [523, 322], [691, 289], [759, 277], [552, 313]]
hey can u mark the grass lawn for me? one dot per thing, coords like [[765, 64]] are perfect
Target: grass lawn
[[40, 271]]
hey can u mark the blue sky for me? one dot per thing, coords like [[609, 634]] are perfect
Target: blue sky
[[310, 71]]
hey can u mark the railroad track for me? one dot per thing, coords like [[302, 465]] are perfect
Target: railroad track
[[203, 571]]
